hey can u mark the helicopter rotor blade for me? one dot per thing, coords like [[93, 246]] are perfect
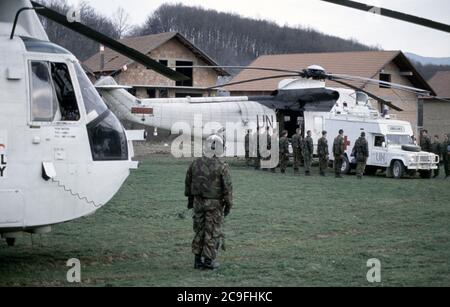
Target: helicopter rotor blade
[[379, 99], [418, 91], [108, 42], [242, 68], [393, 14], [252, 80]]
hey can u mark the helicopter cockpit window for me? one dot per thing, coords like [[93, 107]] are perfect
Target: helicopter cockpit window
[[106, 134], [43, 97], [92, 101], [52, 93]]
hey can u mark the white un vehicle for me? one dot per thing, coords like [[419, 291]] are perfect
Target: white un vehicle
[[390, 141]]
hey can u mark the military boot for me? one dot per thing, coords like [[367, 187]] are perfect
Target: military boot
[[198, 264], [210, 265]]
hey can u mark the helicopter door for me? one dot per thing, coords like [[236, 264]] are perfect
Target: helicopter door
[[55, 115]]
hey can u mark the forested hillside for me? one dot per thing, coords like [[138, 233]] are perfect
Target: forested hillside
[[228, 38]]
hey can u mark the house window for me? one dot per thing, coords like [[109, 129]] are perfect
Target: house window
[[184, 95], [188, 72], [164, 62], [163, 93], [151, 93], [385, 78], [420, 112], [132, 91]]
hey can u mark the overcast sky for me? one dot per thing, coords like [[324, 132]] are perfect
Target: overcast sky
[[369, 29]]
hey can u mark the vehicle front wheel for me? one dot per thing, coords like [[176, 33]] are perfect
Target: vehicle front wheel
[[426, 174], [398, 169], [11, 241]]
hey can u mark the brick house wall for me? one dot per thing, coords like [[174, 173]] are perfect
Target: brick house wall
[[436, 116], [172, 51], [405, 100]]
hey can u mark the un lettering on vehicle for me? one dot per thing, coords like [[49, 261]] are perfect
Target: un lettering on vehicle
[[381, 158]]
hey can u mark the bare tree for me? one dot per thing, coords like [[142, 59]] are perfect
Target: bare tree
[[121, 20]]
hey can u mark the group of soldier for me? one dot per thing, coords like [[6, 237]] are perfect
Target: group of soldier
[[303, 150], [438, 147], [210, 191]]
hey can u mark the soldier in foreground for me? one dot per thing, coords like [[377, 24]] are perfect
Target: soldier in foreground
[[297, 148], [338, 152], [210, 192], [446, 155], [361, 153], [308, 151], [284, 151], [322, 151]]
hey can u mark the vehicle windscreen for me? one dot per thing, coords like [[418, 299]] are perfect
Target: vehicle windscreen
[[394, 139]]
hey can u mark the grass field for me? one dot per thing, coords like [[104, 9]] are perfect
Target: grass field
[[284, 231]]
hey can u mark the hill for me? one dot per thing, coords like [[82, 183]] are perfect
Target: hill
[[234, 40]]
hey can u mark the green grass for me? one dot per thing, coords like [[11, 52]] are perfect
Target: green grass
[[283, 231]]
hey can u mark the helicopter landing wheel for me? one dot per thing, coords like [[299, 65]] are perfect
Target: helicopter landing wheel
[[11, 241]]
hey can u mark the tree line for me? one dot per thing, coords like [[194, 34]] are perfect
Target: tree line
[[228, 38]]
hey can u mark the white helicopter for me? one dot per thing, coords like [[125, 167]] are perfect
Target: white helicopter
[[285, 109], [63, 154]]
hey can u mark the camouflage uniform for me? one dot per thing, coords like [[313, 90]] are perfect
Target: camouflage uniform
[[308, 151], [269, 148], [297, 148], [208, 183], [284, 153], [323, 152], [338, 152], [361, 153], [247, 150], [257, 158], [436, 149], [425, 143], [445, 157]]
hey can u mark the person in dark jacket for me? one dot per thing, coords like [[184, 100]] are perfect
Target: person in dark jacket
[[361, 153]]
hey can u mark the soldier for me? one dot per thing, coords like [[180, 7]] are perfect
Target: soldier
[[247, 148], [268, 137], [297, 148], [338, 152], [210, 192], [425, 141], [446, 155], [436, 149], [361, 153], [322, 151], [308, 151], [284, 151], [257, 158]]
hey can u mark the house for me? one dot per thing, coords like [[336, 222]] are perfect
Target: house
[[391, 66], [436, 112], [170, 49]]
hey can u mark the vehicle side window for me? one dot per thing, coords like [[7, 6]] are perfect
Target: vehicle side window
[[52, 93], [379, 140]]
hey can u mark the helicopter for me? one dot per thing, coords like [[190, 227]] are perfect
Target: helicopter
[[63, 154]]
